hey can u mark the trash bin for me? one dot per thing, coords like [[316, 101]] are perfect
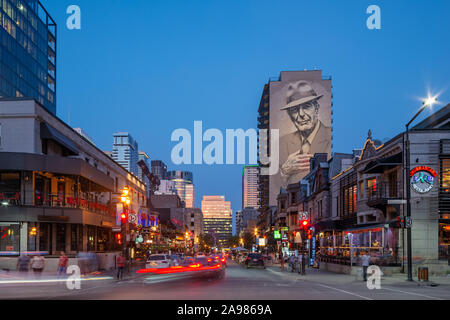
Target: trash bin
[[422, 273]]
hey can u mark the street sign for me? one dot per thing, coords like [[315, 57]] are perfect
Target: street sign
[[132, 218], [276, 234], [284, 229], [303, 215], [408, 222]]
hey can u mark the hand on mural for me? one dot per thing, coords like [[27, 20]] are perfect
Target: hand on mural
[[296, 162]]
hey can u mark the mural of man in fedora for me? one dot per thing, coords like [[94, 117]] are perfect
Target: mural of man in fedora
[[311, 135]]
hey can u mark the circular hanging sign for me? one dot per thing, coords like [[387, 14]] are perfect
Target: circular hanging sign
[[132, 218], [422, 179]]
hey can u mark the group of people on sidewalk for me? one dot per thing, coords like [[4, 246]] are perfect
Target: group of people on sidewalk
[[37, 264], [295, 262]]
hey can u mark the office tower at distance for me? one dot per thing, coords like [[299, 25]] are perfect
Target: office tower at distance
[[184, 184], [217, 218], [125, 151], [159, 169], [250, 187]]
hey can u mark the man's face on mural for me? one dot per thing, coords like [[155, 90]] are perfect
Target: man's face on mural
[[305, 116]]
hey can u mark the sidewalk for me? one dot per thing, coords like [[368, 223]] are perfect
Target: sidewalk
[[317, 275]]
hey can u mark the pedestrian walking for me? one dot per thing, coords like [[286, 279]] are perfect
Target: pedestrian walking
[[292, 262], [300, 263], [62, 265], [281, 257], [23, 263], [120, 260], [365, 261], [38, 265]]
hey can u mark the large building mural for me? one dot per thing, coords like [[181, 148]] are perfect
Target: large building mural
[[300, 107]]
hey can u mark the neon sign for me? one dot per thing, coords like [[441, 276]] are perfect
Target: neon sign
[[422, 179]]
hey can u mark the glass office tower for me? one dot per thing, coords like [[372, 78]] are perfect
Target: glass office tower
[[27, 52]]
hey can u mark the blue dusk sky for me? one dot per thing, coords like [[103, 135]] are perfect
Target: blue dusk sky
[[151, 66]]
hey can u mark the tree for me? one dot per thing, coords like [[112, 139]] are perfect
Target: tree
[[233, 241], [249, 240], [205, 241]]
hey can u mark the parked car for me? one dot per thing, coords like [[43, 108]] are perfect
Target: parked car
[[254, 259], [158, 261]]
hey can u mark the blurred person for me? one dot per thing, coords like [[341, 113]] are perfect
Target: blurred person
[[120, 260], [292, 262], [365, 261], [281, 257], [38, 265], [62, 265], [23, 263]]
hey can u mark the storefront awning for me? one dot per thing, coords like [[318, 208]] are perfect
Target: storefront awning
[[380, 165], [366, 228], [50, 133]]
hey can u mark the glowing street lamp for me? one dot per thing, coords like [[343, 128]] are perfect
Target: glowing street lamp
[[428, 102]]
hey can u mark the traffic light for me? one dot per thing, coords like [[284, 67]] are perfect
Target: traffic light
[[123, 218], [309, 233], [304, 224], [119, 238]]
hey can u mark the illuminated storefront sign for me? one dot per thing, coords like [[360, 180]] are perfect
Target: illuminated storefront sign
[[422, 179]]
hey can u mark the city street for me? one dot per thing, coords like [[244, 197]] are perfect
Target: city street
[[238, 284]]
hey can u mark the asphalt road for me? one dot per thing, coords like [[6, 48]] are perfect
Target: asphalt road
[[238, 284]]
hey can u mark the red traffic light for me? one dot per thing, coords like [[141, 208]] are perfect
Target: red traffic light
[[304, 223]]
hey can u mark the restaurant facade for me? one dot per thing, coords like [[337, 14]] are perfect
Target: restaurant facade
[[58, 191], [356, 203]]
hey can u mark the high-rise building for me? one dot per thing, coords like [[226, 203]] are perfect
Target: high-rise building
[[217, 218], [144, 157], [283, 106], [166, 187], [159, 169], [250, 187], [27, 52], [125, 151], [184, 184], [237, 222]]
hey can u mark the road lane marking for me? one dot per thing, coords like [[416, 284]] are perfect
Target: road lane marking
[[412, 293], [351, 293]]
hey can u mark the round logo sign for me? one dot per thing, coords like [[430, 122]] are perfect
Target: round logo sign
[[422, 179]]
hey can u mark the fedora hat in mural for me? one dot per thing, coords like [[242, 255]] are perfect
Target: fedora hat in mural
[[302, 93]]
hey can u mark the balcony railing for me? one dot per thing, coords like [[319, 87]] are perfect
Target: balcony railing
[[57, 200], [384, 191]]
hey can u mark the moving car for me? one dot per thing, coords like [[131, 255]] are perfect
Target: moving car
[[215, 272], [158, 261], [254, 259]]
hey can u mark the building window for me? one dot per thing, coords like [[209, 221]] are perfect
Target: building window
[[348, 194], [10, 238], [45, 237], [60, 237], [444, 189], [371, 187]]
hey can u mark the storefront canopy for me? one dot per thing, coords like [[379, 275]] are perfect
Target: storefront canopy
[[50, 133], [380, 165]]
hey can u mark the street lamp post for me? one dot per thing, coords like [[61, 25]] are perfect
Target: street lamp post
[[428, 102], [125, 199]]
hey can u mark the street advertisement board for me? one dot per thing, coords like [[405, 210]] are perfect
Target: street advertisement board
[[300, 108]]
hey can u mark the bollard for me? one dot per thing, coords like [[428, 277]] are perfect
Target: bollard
[[422, 273]]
